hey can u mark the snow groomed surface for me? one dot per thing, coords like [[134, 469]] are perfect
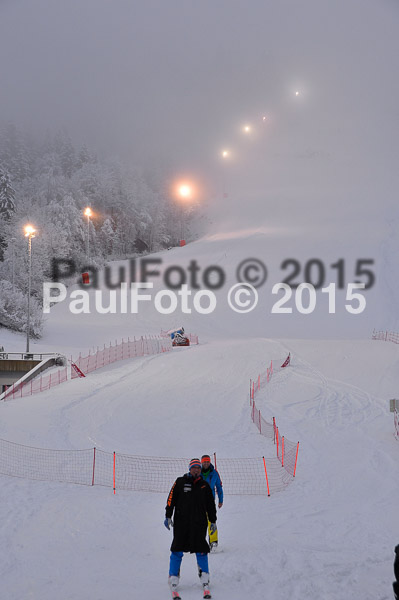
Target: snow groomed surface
[[329, 534]]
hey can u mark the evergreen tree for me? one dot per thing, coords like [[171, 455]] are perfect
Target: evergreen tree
[[7, 208], [66, 153], [107, 237], [53, 182], [7, 195], [14, 153]]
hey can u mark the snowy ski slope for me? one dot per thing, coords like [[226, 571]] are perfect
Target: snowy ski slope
[[329, 535]]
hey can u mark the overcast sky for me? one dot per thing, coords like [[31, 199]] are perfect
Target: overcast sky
[[171, 82]]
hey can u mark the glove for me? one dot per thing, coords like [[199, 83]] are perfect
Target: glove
[[213, 528], [168, 522]]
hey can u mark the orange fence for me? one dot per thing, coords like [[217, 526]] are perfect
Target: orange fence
[[86, 364], [386, 336], [240, 476], [251, 476], [39, 384], [286, 451], [110, 354]]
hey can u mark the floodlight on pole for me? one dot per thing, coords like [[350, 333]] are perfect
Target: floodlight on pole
[[226, 156], [184, 192], [88, 213], [29, 233]]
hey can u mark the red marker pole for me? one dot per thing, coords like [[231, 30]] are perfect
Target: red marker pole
[[267, 480], [277, 439], [114, 470], [94, 466], [296, 458]]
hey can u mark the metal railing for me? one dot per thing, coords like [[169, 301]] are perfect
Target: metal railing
[[27, 355]]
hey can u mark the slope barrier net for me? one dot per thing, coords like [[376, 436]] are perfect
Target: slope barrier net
[[36, 385], [386, 336], [286, 450], [81, 366], [389, 336], [240, 476], [143, 346]]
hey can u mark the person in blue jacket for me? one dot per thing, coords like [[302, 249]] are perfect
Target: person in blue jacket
[[210, 474]]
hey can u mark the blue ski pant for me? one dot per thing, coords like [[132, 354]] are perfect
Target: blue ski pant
[[177, 557]]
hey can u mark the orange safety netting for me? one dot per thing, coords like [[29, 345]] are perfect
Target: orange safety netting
[[386, 336], [240, 476], [130, 349], [286, 451], [34, 386], [86, 364]]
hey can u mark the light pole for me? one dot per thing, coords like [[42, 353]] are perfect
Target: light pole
[[88, 214], [185, 192], [29, 233], [13, 240], [225, 154]]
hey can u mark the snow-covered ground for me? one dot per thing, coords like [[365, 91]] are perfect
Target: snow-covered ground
[[329, 535]]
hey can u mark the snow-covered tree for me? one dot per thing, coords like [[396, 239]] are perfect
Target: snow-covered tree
[[14, 307], [49, 182], [66, 152], [7, 195], [107, 236]]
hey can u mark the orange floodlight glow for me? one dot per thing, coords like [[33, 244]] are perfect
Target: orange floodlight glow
[[29, 231], [185, 190]]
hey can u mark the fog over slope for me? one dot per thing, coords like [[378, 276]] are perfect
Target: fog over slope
[[170, 84]]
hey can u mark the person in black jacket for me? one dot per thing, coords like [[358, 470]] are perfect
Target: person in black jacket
[[192, 502], [395, 584]]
